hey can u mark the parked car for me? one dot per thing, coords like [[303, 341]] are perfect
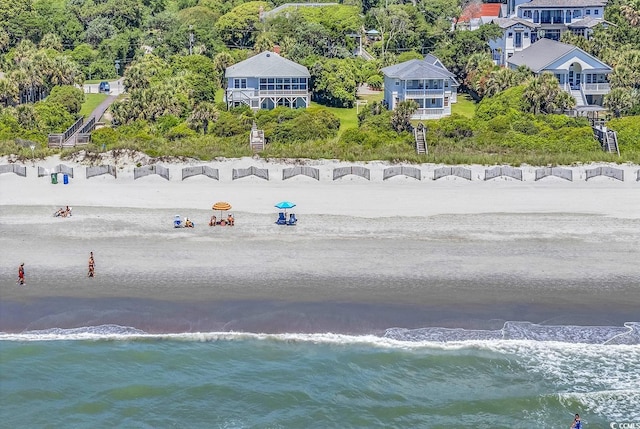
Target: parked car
[[104, 87]]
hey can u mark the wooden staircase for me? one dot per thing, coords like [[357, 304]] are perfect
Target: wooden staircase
[[256, 139], [420, 136], [608, 138]]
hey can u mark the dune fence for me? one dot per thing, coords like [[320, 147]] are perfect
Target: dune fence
[[614, 173], [563, 173], [99, 170], [146, 170], [200, 170], [441, 172], [492, 173], [20, 170], [239, 173], [290, 172], [60, 168], [355, 170], [402, 171]]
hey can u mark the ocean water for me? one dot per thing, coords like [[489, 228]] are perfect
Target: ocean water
[[486, 321]]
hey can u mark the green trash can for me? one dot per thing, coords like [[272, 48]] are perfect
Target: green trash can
[[54, 178]]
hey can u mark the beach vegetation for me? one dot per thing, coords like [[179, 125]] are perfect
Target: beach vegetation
[[173, 54]]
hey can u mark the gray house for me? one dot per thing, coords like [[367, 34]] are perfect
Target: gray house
[[582, 75], [266, 81], [425, 81]]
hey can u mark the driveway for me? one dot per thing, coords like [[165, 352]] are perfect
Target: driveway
[[117, 87]]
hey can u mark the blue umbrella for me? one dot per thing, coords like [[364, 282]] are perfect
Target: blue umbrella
[[285, 205]]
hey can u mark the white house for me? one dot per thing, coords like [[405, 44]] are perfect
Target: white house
[[581, 74], [267, 80], [557, 16], [516, 37], [426, 81]]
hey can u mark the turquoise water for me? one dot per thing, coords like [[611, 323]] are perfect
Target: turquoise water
[[114, 377]]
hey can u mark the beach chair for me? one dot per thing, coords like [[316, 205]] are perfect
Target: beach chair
[[281, 219], [292, 219]]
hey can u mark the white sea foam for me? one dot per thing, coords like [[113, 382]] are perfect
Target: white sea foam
[[446, 338]]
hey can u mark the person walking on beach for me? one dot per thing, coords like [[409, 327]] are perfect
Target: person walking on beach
[[92, 265], [21, 274], [577, 424]]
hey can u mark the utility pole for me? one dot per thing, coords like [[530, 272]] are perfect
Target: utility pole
[[190, 39]]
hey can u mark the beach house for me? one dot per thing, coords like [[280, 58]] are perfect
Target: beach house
[[266, 81], [516, 36], [582, 75], [475, 14], [425, 81]]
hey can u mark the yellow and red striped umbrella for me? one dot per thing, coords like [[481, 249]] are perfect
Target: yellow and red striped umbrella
[[221, 205]]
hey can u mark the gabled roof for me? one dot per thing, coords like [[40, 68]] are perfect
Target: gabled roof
[[588, 22], [544, 52], [510, 22], [564, 3], [266, 64], [428, 68], [475, 10]]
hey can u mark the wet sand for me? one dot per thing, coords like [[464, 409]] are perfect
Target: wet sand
[[365, 256]]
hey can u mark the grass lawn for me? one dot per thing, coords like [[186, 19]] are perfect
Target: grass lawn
[[349, 117], [91, 101], [465, 106]]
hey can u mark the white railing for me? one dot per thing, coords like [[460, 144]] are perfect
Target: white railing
[[429, 113], [284, 92], [596, 88], [423, 92]]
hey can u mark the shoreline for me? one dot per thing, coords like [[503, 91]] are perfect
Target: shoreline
[[366, 255]]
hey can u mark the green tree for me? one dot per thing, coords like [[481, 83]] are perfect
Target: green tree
[[239, 27], [70, 97], [401, 117], [618, 101], [202, 115]]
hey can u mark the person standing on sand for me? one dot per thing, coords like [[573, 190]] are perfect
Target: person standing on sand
[[92, 265], [21, 274]]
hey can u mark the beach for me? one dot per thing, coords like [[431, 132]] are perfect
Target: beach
[[367, 255]]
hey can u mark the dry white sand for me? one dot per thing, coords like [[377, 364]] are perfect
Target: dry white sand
[[349, 196]]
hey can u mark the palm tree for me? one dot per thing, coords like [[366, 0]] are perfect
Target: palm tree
[[8, 91], [499, 80], [631, 12], [618, 101], [401, 118], [221, 61], [201, 115]]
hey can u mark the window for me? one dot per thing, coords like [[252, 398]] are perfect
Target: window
[[527, 14], [509, 34], [595, 11], [397, 82], [446, 101], [576, 13], [446, 84], [588, 12], [240, 83], [526, 34]]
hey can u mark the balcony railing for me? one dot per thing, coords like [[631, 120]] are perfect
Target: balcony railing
[[423, 92], [284, 92], [596, 88], [426, 113]]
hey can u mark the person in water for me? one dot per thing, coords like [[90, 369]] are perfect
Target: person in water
[[577, 423], [212, 221], [188, 223], [92, 265]]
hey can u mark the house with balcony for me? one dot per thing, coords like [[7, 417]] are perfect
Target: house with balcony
[[266, 81], [516, 36], [582, 75], [557, 16], [426, 81]]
